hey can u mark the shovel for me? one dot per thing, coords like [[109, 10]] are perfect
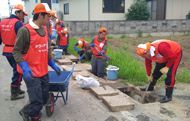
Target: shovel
[[106, 58], [142, 100]]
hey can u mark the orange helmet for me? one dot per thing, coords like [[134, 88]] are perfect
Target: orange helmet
[[20, 7], [57, 21], [80, 42], [64, 30], [103, 30], [142, 48], [53, 14]]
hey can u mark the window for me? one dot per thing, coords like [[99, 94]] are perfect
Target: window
[[55, 1], [66, 8], [36, 1], [113, 6]]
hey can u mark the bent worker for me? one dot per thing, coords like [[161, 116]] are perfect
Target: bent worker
[[100, 45], [167, 55], [8, 32], [86, 49], [33, 55], [63, 40]]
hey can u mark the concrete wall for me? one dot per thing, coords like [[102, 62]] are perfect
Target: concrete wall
[[177, 9], [83, 29]]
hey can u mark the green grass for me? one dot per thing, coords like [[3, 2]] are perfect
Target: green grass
[[130, 68], [123, 36], [149, 35], [186, 34], [140, 33], [109, 37]]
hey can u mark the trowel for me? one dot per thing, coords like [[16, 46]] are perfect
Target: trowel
[[106, 58]]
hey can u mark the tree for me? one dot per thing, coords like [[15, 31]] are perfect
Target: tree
[[138, 11]]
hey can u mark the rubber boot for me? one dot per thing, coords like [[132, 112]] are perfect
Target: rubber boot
[[151, 86], [14, 93], [168, 96], [24, 113], [32, 119], [20, 92]]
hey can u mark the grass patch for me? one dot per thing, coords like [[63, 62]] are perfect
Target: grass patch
[[149, 35], [123, 36], [109, 37], [186, 34], [140, 33]]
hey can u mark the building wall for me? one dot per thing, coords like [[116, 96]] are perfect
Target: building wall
[[78, 10], [177, 9]]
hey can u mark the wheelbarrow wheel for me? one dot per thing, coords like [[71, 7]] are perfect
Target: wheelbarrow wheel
[[50, 109]]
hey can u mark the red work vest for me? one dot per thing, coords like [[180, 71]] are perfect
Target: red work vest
[[37, 55], [175, 47], [8, 34], [50, 28], [98, 46], [58, 28], [63, 39], [84, 45]]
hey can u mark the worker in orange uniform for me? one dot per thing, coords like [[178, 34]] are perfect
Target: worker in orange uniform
[[167, 55], [59, 25], [8, 32], [86, 49], [63, 40], [50, 25], [32, 52], [100, 45]]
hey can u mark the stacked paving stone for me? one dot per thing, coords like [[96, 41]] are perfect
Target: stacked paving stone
[[114, 99]]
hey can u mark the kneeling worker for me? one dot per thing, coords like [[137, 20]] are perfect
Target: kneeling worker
[[86, 49], [167, 55]]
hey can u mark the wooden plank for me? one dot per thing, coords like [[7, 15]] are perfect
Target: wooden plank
[[64, 61], [71, 57], [69, 68], [119, 102], [99, 92]]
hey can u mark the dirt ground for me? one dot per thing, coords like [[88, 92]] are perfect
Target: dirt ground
[[176, 109]]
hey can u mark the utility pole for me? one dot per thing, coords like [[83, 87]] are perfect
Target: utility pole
[[9, 6]]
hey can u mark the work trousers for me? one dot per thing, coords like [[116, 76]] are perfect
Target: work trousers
[[64, 48], [17, 77], [38, 93], [98, 66], [88, 53], [170, 79]]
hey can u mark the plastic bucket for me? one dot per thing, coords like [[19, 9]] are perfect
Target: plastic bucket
[[112, 72], [54, 33], [58, 53]]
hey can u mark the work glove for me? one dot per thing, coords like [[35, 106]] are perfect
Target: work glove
[[81, 58], [78, 51], [58, 45], [101, 52], [164, 70], [27, 73], [92, 45], [51, 63], [50, 36], [150, 79], [61, 25], [68, 44]]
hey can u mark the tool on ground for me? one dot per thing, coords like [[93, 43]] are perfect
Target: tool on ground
[[143, 98], [106, 58]]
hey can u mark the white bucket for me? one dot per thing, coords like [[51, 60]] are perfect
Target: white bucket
[[58, 53]]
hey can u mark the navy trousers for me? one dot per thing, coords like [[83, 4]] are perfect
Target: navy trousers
[[98, 67], [17, 77], [38, 93]]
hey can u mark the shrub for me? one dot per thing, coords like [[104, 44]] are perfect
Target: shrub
[[138, 11]]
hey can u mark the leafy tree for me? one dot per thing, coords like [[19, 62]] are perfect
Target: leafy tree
[[138, 11]]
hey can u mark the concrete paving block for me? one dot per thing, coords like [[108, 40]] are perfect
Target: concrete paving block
[[99, 92], [69, 68], [84, 66], [71, 57], [65, 61], [119, 102], [82, 73]]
